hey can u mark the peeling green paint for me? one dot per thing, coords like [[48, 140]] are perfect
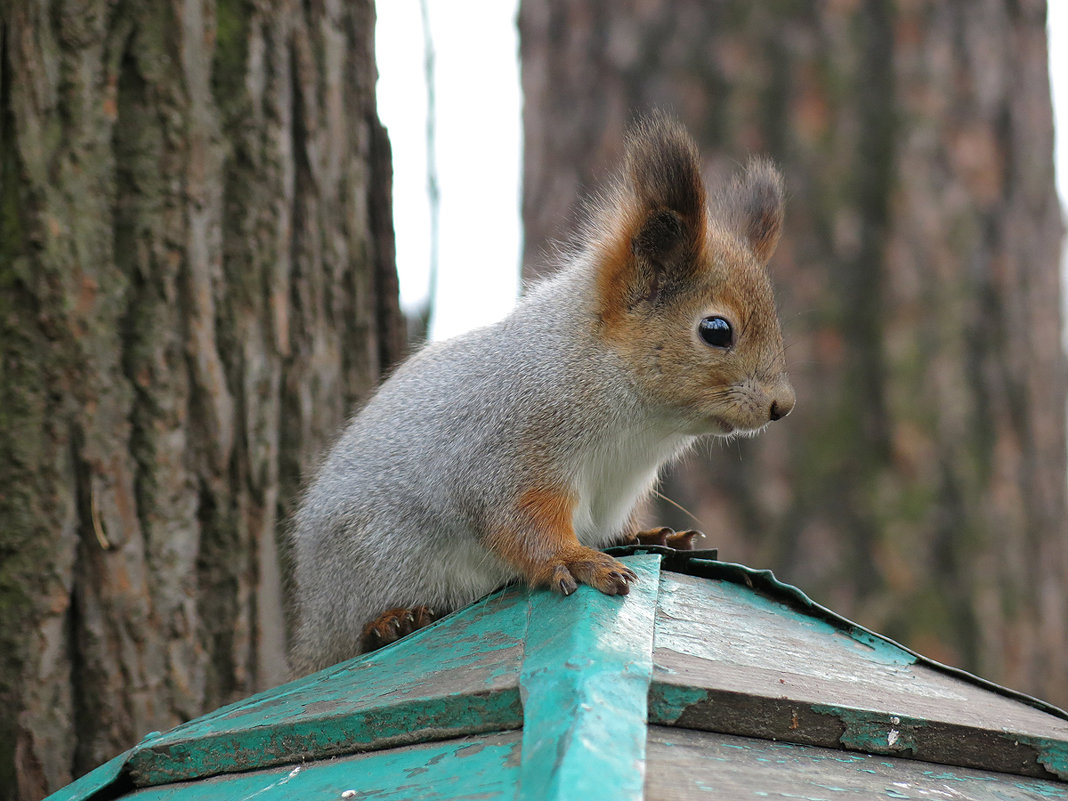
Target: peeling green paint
[[1041, 790], [884, 650], [1050, 754], [1053, 756], [875, 732], [585, 685], [668, 702]]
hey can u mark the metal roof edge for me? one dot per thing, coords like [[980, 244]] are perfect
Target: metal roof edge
[[106, 781], [699, 564]]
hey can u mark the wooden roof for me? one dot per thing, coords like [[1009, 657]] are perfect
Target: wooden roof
[[708, 677]]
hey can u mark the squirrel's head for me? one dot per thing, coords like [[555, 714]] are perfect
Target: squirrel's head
[[682, 288]]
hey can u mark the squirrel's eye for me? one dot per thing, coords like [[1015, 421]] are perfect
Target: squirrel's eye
[[716, 331]]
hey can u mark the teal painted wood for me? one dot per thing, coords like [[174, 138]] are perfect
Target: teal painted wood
[[100, 777], [458, 676], [585, 684], [686, 764], [484, 767]]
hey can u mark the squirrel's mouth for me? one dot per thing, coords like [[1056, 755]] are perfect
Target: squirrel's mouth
[[721, 428]]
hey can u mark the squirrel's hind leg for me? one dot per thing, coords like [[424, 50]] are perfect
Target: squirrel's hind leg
[[393, 624]]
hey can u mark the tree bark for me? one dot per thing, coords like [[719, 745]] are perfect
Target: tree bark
[[196, 284], [920, 485]]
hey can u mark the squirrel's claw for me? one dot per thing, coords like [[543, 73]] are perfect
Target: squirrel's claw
[[393, 624], [591, 567], [562, 581]]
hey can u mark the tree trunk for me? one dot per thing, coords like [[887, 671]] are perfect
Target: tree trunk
[[920, 485], [196, 283]]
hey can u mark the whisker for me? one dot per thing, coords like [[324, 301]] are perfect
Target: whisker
[[678, 506]]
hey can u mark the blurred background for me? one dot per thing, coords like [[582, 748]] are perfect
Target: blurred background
[[197, 282]]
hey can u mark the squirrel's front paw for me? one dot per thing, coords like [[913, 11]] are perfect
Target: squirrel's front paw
[[587, 566], [393, 624]]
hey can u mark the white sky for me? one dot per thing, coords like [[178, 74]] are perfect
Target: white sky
[[476, 48], [1057, 25], [479, 140]]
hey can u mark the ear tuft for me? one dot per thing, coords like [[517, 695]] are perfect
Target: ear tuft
[[753, 207], [663, 169]]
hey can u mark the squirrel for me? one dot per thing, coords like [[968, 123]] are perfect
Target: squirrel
[[519, 449]]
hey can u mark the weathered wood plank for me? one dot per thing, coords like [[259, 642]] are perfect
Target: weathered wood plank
[[728, 659], [686, 764]]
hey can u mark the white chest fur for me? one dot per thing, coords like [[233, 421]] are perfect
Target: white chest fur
[[611, 479]]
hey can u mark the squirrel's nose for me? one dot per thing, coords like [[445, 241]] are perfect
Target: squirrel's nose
[[783, 404]]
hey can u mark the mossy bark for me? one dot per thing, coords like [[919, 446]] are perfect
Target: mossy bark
[[196, 284], [920, 484]]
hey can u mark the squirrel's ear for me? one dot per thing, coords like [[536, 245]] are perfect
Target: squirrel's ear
[[650, 228], [753, 207], [663, 169], [663, 176]]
